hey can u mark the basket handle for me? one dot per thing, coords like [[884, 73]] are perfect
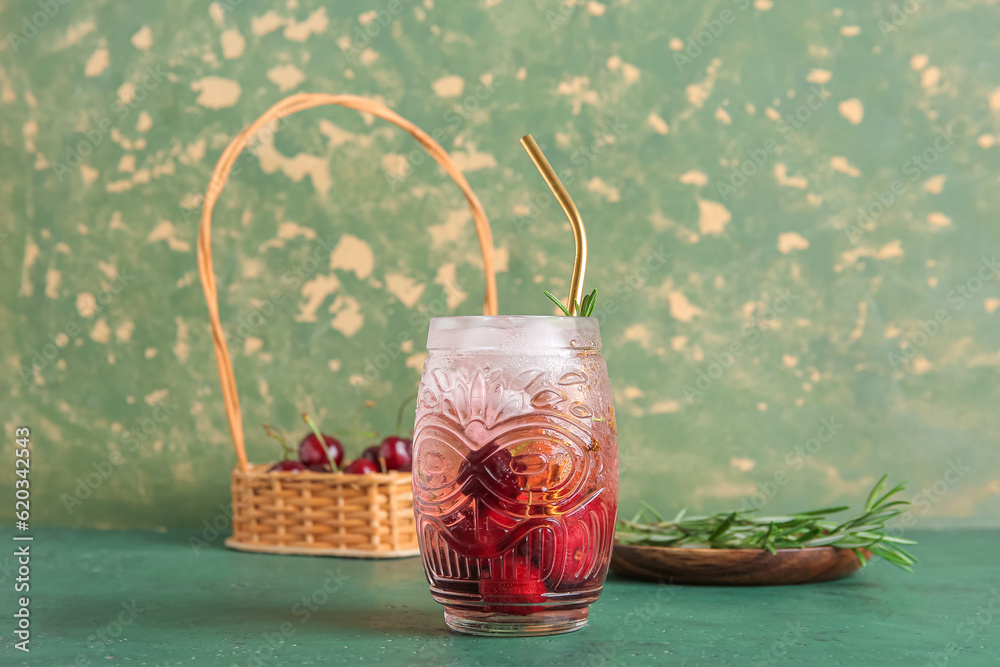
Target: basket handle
[[220, 175]]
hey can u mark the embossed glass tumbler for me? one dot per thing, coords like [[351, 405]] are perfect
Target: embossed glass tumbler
[[515, 472]]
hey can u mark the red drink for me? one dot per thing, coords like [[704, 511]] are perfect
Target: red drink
[[515, 472]]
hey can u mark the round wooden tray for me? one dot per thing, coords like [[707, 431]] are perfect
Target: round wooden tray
[[733, 567]]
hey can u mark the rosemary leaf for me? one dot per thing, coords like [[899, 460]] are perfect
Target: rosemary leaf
[[875, 492], [649, 508], [557, 302], [585, 309]]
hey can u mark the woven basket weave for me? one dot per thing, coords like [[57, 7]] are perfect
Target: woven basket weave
[[318, 513]]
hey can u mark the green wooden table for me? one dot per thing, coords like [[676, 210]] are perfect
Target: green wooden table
[[143, 598]]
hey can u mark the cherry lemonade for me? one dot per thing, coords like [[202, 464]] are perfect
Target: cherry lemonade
[[515, 472]]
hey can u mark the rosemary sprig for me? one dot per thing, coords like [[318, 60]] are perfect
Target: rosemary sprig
[[744, 530], [584, 309]]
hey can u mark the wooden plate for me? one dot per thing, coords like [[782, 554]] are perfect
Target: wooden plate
[[733, 567]]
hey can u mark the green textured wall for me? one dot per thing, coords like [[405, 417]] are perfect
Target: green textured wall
[[769, 342]]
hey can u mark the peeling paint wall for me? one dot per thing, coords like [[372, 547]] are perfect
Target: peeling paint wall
[[791, 209]]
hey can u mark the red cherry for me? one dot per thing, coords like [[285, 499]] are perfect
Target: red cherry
[[409, 451], [361, 467], [397, 453], [482, 541], [287, 466], [371, 454], [579, 559], [409, 448], [312, 453], [513, 596], [491, 465]]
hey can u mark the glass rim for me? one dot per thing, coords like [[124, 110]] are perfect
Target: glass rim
[[495, 318], [523, 332]]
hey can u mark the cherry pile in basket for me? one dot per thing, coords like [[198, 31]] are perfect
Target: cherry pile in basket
[[324, 453]]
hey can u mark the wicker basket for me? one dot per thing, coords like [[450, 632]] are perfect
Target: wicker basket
[[323, 514], [316, 513]]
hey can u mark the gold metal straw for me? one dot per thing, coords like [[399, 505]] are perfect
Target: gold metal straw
[[575, 221]]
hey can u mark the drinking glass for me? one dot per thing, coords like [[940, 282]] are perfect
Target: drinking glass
[[515, 472]]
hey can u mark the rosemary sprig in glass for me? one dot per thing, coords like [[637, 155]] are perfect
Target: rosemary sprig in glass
[[584, 309], [744, 530]]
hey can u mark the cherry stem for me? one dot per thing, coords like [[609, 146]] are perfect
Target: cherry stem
[[399, 413], [319, 436], [273, 433]]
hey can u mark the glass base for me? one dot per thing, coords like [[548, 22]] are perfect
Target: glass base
[[535, 624]]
